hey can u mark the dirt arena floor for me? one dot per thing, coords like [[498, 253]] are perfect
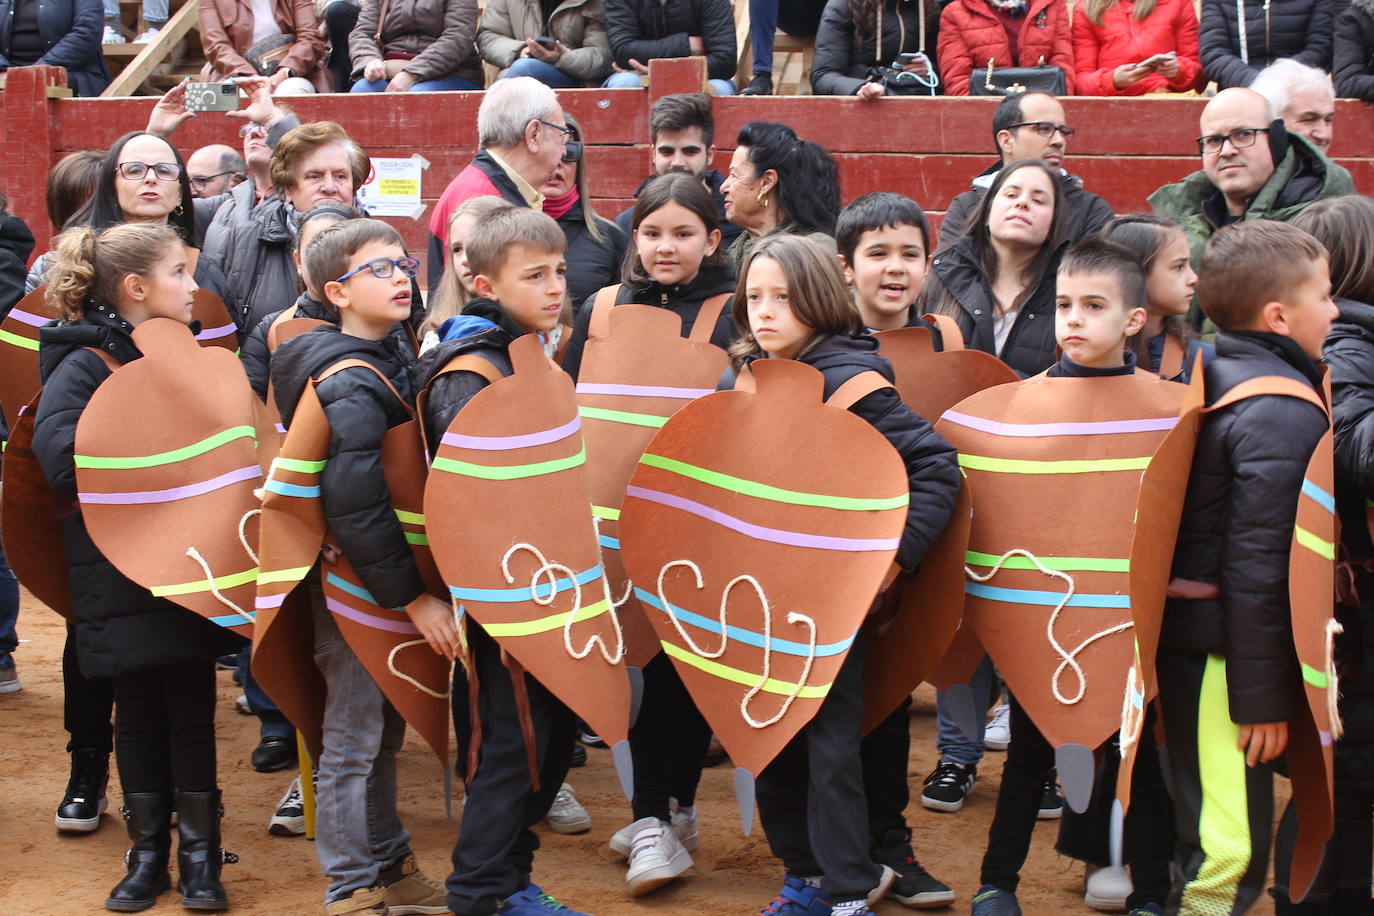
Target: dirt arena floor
[[44, 873]]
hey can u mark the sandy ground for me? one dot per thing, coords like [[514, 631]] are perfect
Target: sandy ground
[[42, 872]]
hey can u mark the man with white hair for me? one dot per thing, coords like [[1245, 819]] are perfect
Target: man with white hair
[[1302, 96], [522, 136]]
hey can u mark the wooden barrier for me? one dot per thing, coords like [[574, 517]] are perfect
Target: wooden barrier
[[927, 148]]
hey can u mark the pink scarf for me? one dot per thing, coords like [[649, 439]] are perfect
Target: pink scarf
[[557, 206]]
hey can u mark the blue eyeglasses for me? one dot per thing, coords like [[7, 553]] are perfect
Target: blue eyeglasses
[[383, 268]]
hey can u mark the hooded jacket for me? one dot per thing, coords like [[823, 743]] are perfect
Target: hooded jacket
[[1352, 66], [684, 300], [647, 29], [1030, 345], [1099, 49], [714, 179], [971, 35], [360, 410], [592, 264], [1303, 175], [120, 626], [1349, 352], [16, 244], [841, 61], [1237, 526], [1084, 212], [70, 31], [579, 24], [1300, 29], [483, 329], [439, 35], [932, 465]]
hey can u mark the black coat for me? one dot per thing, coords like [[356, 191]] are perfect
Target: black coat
[[120, 626], [1030, 347], [360, 410], [592, 264], [1352, 65], [1084, 212], [448, 394], [684, 301], [1237, 527], [649, 29], [932, 464], [16, 244], [841, 64], [714, 179], [1350, 354], [71, 32], [1300, 29]]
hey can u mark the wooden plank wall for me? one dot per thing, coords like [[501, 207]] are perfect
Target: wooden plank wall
[[926, 148]]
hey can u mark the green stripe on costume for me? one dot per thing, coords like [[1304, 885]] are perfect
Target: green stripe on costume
[[748, 679], [301, 466], [653, 421], [771, 493], [409, 518], [415, 537], [1316, 677], [545, 624], [1073, 466], [510, 472], [283, 575], [606, 512], [1060, 564], [18, 341], [1322, 548], [182, 454], [204, 585]]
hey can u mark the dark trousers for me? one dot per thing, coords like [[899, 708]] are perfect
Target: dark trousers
[[1223, 810], [339, 19], [811, 797], [799, 18], [271, 722], [9, 609], [165, 727], [495, 850], [1148, 842], [668, 742], [1029, 761], [885, 751], [86, 704], [1341, 887]]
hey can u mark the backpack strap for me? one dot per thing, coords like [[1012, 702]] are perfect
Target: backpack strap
[[600, 323], [364, 364], [1270, 384], [951, 338], [1175, 353], [857, 388], [707, 317]]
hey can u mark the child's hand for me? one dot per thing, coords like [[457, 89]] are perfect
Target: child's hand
[[434, 619], [1263, 742]]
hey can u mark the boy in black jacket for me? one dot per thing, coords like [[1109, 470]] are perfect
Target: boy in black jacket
[[363, 848], [1228, 673], [516, 257]]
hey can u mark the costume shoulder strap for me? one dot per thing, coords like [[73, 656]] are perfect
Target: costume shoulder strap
[[950, 336], [364, 364], [857, 388], [1171, 363], [273, 332], [707, 318], [1270, 384], [600, 322]]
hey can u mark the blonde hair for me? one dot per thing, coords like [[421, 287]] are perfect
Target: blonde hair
[[92, 265], [450, 297], [1094, 9]]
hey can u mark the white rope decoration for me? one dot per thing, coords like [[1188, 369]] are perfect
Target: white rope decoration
[[792, 617], [243, 533], [1132, 716], [550, 571], [1067, 659], [423, 688], [214, 589], [1333, 693]]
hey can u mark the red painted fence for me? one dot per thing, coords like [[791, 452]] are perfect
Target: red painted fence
[[926, 148]]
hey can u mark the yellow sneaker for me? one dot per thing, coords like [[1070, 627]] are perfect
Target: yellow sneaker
[[366, 901]]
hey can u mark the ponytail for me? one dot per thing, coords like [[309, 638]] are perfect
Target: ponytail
[[91, 265]]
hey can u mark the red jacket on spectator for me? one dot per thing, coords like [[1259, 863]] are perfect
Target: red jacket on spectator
[[970, 33], [1121, 39]]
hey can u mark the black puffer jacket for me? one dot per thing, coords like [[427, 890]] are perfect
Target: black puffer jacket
[[683, 301], [714, 179], [1030, 347], [932, 464], [360, 410], [16, 244], [1084, 212], [1350, 354], [1352, 65], [1300, 29], [592, 264], [120, 626], [842, 61], [649, 29], [1237, 526], [448, 394], [256, 259]]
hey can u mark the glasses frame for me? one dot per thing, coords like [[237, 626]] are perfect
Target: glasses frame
[[249, 129], [154, 166], [1221, 140], [1047, 128], [408, 265], [200, 181], [572, 151], [567, 132]]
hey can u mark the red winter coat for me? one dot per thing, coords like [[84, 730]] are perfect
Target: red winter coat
[[1120, 39], [970, 33]]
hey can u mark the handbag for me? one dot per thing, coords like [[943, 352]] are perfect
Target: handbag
[[1014, 80], [266, 56]]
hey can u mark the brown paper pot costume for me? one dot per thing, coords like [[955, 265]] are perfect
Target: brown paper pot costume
[[1049, 596], [283, 329], [166, 467], [514, 537], [923, 610], [19, 380], [758, 529], [637, 370], [294, 537]]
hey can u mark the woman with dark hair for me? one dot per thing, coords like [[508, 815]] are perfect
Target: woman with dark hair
[[859, 44], [595, 246], [997, 281], [780, 183]]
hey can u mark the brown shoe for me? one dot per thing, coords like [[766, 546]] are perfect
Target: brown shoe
[[367, 901], [409, 892]]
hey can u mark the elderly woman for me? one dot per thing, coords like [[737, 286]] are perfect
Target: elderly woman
[[415, 46], [595, 246], [285, 47], [780, 183]]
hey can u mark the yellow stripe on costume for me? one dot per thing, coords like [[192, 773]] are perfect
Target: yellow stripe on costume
[[748, 679]]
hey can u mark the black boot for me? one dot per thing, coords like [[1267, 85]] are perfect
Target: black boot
[[199, 856], [148, 816], [85, 799]]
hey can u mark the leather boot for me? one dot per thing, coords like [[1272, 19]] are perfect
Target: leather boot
[[148, 818], [199, 857]]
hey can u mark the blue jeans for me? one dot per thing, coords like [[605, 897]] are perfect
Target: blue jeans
[[9, 610], [796, 17], [155, 12], [631, 81], [448, 83], [271, 722], [953, 745], [357, 828], [545, 72]]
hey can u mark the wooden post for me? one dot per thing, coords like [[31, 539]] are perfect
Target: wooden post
[[671, 75], [24, 112], [155, 52]]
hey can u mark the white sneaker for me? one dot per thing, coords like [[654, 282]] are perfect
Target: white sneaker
[[112, 36], [241, 705], [1106, 889], [997, 735], [684, 822], [566, 814], [656, 856], [289, 818], [147, 37]]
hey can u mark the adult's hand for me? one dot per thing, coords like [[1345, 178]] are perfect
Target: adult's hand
[[919, 66], [170, 111], [539, 52], [872, 90], [1128, 75], [1262, 742], [1167, 68], [635, 67], [374, 69], [278, 76], [401, 82], [262, 108]]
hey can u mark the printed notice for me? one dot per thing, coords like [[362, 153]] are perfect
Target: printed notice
[[393, 188]]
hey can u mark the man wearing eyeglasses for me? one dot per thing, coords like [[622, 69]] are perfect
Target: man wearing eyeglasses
[[1252, 168], [1031, 126], [215, 169]]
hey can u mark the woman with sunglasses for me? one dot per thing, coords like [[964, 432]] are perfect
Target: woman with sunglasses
[[596, 246]]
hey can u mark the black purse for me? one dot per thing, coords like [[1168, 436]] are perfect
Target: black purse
[[1015, 80], [266, 56]]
